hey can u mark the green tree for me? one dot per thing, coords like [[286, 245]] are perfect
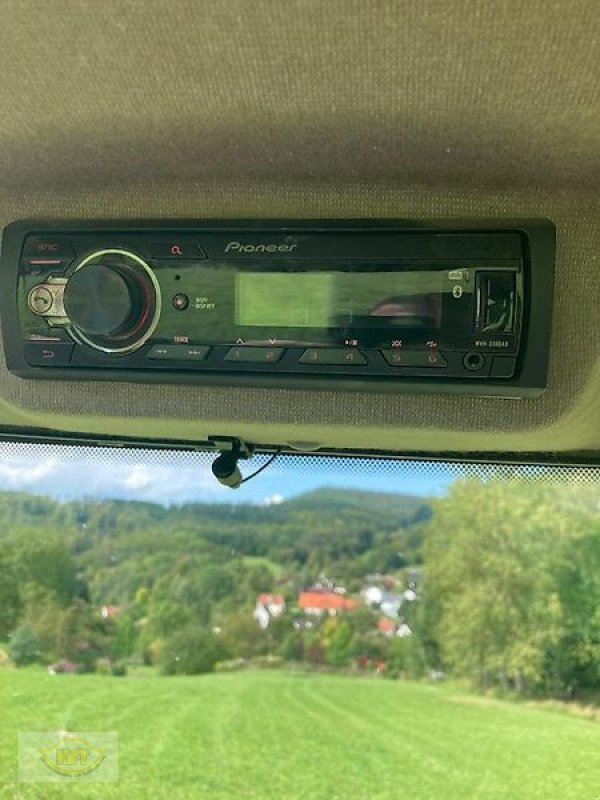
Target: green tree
[[292, 647], [191, 651], [490, 556], [46, 562], [574, 661], [24, 646], [405, 655], [242, 636], [124, 636], [339, 649], [10, 597]]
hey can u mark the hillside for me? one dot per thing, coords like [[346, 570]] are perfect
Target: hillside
[[335, 499], [496, 573], [119, 546]]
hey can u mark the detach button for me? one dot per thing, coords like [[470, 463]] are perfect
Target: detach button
[[333, 356], [255, 355], [48, 354], [408, 358], [503, 367], [178, 352]]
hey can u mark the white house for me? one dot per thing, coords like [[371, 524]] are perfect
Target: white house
[[268, 606], [372, 595], [391, 604]]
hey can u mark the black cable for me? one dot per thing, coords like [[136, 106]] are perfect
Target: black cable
[[264, 466]]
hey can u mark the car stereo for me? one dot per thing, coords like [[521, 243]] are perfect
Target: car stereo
[[382, 305]]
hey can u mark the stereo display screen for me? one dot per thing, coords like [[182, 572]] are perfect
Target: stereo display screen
[[338, 299]]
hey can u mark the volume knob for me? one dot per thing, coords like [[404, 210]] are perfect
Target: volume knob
[[112, 300], [98, 300]]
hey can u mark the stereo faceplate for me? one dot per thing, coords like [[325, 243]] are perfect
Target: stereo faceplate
[[306, 304]]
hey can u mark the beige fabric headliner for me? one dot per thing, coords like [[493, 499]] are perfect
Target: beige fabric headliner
[[304, 109]]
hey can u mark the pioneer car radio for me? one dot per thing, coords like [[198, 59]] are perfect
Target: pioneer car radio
[[388, 305]]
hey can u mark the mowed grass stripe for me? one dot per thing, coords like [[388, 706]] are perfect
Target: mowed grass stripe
[[496, 749], [282, 736], [386, 735], [488, 751]]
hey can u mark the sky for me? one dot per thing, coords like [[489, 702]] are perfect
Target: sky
[[171, 478]]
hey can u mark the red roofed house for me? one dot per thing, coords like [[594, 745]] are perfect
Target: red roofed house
[[387, 626], [318, 603]]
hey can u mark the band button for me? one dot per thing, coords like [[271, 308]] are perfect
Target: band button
[[255, 355], [333, 356]]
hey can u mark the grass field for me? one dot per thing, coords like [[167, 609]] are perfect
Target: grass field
[[280, 736]]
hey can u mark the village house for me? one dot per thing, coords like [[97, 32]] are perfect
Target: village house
[[389, 603], [386, 626], [268, 606], [316, 602], [390, 628]]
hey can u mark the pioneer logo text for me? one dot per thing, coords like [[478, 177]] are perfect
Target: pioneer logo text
[[238, 247]]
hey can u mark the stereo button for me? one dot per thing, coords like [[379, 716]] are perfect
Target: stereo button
[[255, 355], [48, 354], [407, 358], [333, 356], [178, 352]]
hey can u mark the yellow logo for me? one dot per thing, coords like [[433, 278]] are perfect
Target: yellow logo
[[72, 756]]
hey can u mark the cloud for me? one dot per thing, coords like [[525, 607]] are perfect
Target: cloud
[[177, 477], [22, 475], [139, 478], [108, 475], [273, 500]]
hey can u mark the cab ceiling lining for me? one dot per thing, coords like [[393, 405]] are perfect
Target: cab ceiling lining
[[306, 109]]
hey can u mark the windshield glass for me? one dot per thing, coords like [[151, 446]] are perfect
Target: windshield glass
[[335, 628]]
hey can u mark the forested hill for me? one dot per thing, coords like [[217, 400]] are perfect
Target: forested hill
[[333, 500], [118, 546], [506, 592]]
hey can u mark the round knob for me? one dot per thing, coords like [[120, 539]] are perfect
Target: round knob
[[112, 301], [98, 300]]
